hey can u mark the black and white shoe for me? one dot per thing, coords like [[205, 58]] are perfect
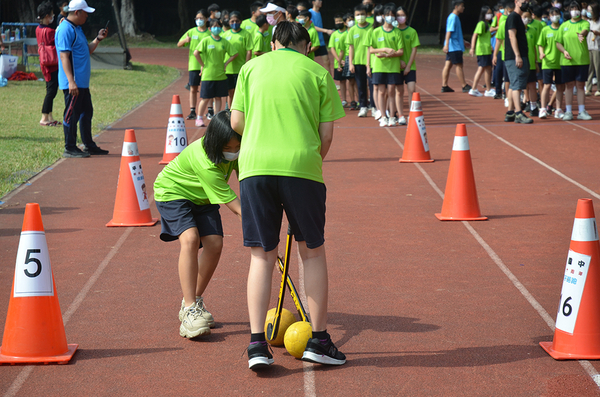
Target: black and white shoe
[[323, 352], [191, 116], [210, 114], [259, 355]]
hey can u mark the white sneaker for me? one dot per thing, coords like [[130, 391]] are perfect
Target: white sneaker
[[383, 122], [402, 121], [475, 92], [377, 114], [584, 116], [543, 113], [392, 122], [193, 324], [506, 103], [373, 111], [594, 81], [568, 116], [362, 112], [205, 313], [559, 114], [490, 93], [344, 103]]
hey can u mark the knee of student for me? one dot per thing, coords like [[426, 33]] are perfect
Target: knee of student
[[212, 244], [309, 253], [190, 239]]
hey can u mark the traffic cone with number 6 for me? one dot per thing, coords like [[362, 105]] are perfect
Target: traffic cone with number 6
[[577, 333], [34, 331]]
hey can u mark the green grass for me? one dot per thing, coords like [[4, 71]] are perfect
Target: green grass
[[144, 41], [27, 148]]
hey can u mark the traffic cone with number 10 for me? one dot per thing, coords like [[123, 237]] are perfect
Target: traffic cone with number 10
[[176, 136]]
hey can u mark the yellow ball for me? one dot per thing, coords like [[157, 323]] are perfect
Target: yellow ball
[[296, 337], [287, 319]]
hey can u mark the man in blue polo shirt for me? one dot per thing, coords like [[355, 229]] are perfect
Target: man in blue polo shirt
[[74, 79], [454, 47]]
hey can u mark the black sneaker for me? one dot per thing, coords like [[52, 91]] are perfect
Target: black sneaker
[[498, 96], [509, 118], [96, 151], [445, 88], [323, 352], [466, 88], [75, 153], [259, 355], [521, 118], [535, 112], [210, 114], [191, 116], [187, 86]]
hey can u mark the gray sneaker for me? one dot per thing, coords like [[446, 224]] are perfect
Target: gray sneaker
[[193, 324], [584, 116], [568, 116], [205, 313], [521, 118]]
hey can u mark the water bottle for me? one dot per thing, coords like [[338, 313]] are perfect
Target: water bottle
[[17, 34]]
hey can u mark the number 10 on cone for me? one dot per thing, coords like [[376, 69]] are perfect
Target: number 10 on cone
[[572, 290]]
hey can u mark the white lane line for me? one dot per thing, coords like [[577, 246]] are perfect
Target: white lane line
[[309, 375]]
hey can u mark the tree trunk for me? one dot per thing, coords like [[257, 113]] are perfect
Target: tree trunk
[[128, 18], [184, 15], [27, 11]]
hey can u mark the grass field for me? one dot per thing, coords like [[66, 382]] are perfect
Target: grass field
[[27, 148]]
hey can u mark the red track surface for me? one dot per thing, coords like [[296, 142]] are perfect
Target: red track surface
[[418, 305]]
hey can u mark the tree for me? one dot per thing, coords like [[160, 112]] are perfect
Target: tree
[[128, 21], [184, 15]]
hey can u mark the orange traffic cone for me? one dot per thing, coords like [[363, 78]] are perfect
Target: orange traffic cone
[[416, 147], [460, 198], [176, 136], [34, 331], [577, 333], [132, 207]]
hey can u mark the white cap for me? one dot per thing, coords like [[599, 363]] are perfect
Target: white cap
[[272, 8], [76, 5]]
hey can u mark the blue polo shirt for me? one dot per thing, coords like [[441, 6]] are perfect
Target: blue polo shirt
[[456, 42], [72, 39], [315, 17]]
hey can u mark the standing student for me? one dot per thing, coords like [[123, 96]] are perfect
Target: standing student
[[45, 37], [304, 19], [210, 54], [337, 46], [481, 45], [532, 54], [454, 47], [191, 39], [249, 25], [575, 60], [387, 47], [358, 41], [500, 74], [593, 40], [187, 193], [287, 129], [317, 21], [261, 41], [551, 71], [242, 44], [408, 59]]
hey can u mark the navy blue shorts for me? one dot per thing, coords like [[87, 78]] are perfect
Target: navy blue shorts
[[214, 89], [322, 50], [339, 75], [410, 77], [552, 76], [387, 78], [194, 78], [484, 60], [532, 78], [177, 216], [575, 73], [456, 57], [540, 75], [232, 81], [264, 198]]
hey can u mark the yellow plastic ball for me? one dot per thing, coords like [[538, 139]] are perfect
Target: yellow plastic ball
[[287, 319], [296, 337]]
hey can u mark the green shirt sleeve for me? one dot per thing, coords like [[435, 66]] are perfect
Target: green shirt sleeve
[[331, 108], [213, 181]]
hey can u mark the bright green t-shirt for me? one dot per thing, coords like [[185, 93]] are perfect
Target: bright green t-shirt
[[337, 41], [567, 36], [484, 39], [213, 53], [192, 176], [261, 42], [532, 36], [371, 20], [314, 39], [360, 39], [547, 41], [281, 136], [538, 26], [500, 35], [196, 36], [242, 43], [411, 40], [380, 38], [249, 26]]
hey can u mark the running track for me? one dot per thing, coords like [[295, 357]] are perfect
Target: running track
[[420, 307]]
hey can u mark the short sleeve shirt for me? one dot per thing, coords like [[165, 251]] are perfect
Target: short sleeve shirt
[[281, 136], [337, 41], [380, 38], [196, 36], [359, 37], [514, 21], [567, 36], [531, 34], [261, 42], [500, 34], [547, 41], [317, 20], [192, 176], [213, 53], [314, 39], [242, 43], [484, 39], [456, 42], [411, 40], [70, 38]]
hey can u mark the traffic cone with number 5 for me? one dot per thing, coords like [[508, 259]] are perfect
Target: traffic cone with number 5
[[577, 333], [34, 331]]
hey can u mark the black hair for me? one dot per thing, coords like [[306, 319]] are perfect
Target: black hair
[[290, 33], [234, 14], [400, 8], [575, 4], [44, 9], [347, 16], [456, 3], [213, 7], [377, 11], [482, 14], [338, 15], [303, 4], [215, 22], [217, 136], [203, 12], [389, 10], [293, 11], [255, 6], [306, 14], [261, 20], [553, 11], [538, 11], [360, 7], [595, 11]]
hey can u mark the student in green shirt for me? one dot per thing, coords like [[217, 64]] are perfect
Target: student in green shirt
[[551, 72], [408, 59], [304, 19], [498, 56], [287, 126], [187, 193], [575, 60], [191, 39], [242, 43], [532, 38], [337, 46], [481, 46], [211, 53], [249, 25], [261, 41], [387, 46], [358, 40]]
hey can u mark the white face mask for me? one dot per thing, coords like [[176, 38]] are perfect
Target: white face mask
[[575, 13], [350, 24], [488, 17], [231, 156], [360, 19], [52, 20], [200, 22], [390, 19], [555, 18], [395, 23], [379, 19], [218, 14], [526, 21]]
